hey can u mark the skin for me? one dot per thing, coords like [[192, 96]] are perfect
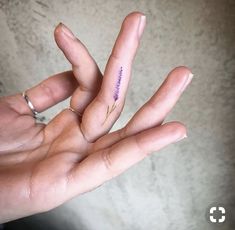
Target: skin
[[42, 166]]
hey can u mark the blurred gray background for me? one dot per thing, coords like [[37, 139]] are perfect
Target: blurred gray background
[[173, 188]]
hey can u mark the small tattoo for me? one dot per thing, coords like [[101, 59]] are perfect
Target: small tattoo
[[117, 85], [115, 94]]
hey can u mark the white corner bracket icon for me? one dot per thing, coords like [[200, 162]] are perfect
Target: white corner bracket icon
[[222, 210], [213, 219]]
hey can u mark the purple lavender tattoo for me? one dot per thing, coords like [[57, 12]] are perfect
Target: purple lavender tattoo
[[115, 94], [117, 86]]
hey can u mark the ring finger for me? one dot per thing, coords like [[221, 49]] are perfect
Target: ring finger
[[155, 110]]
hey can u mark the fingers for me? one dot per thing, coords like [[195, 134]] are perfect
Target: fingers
[[100, 115], [161, 103], [51, 91], [155, 110], [104, 165], [84, 67]]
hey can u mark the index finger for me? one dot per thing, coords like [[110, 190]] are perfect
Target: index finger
[[106, 164]]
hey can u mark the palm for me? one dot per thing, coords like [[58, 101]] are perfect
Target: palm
[[41, 149], [45, 165], [47, 153]]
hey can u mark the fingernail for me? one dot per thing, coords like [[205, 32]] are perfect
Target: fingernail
[[66, 31], [186, 83], [141, 25], [181, 138]]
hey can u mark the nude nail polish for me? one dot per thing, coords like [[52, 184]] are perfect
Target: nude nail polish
[[66, 31], [141, 25], [181, 138], [186, 83]]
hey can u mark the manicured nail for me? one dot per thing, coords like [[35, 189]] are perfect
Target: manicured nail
[[181, 138], [141, 25], [186, 83], [66, 31]]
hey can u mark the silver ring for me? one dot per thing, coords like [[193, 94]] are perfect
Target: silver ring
[[73, 110], [30, 104]]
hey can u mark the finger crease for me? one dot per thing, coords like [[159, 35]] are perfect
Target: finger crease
[[107, 161], [48, 91]]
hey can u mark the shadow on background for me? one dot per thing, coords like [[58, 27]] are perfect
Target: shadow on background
[[38, 222], [28, 224]]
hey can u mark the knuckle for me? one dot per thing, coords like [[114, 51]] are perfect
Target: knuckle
[[122, 133], [110, 171], [107, 162], [141, 147], [152, 105], [48, 91], [138, 143], [114, 55]]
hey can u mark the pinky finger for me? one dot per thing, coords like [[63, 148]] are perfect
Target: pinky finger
[[106, 164]]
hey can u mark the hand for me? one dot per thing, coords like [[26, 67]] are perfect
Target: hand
[[42, 166]]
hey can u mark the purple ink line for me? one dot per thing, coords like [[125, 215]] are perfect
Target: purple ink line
[[117, 85]]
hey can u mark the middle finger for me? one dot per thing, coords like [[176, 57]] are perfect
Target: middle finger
[[155, 110], [105, 109]]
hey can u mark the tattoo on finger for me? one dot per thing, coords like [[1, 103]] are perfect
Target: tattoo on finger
[[116, 94]]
